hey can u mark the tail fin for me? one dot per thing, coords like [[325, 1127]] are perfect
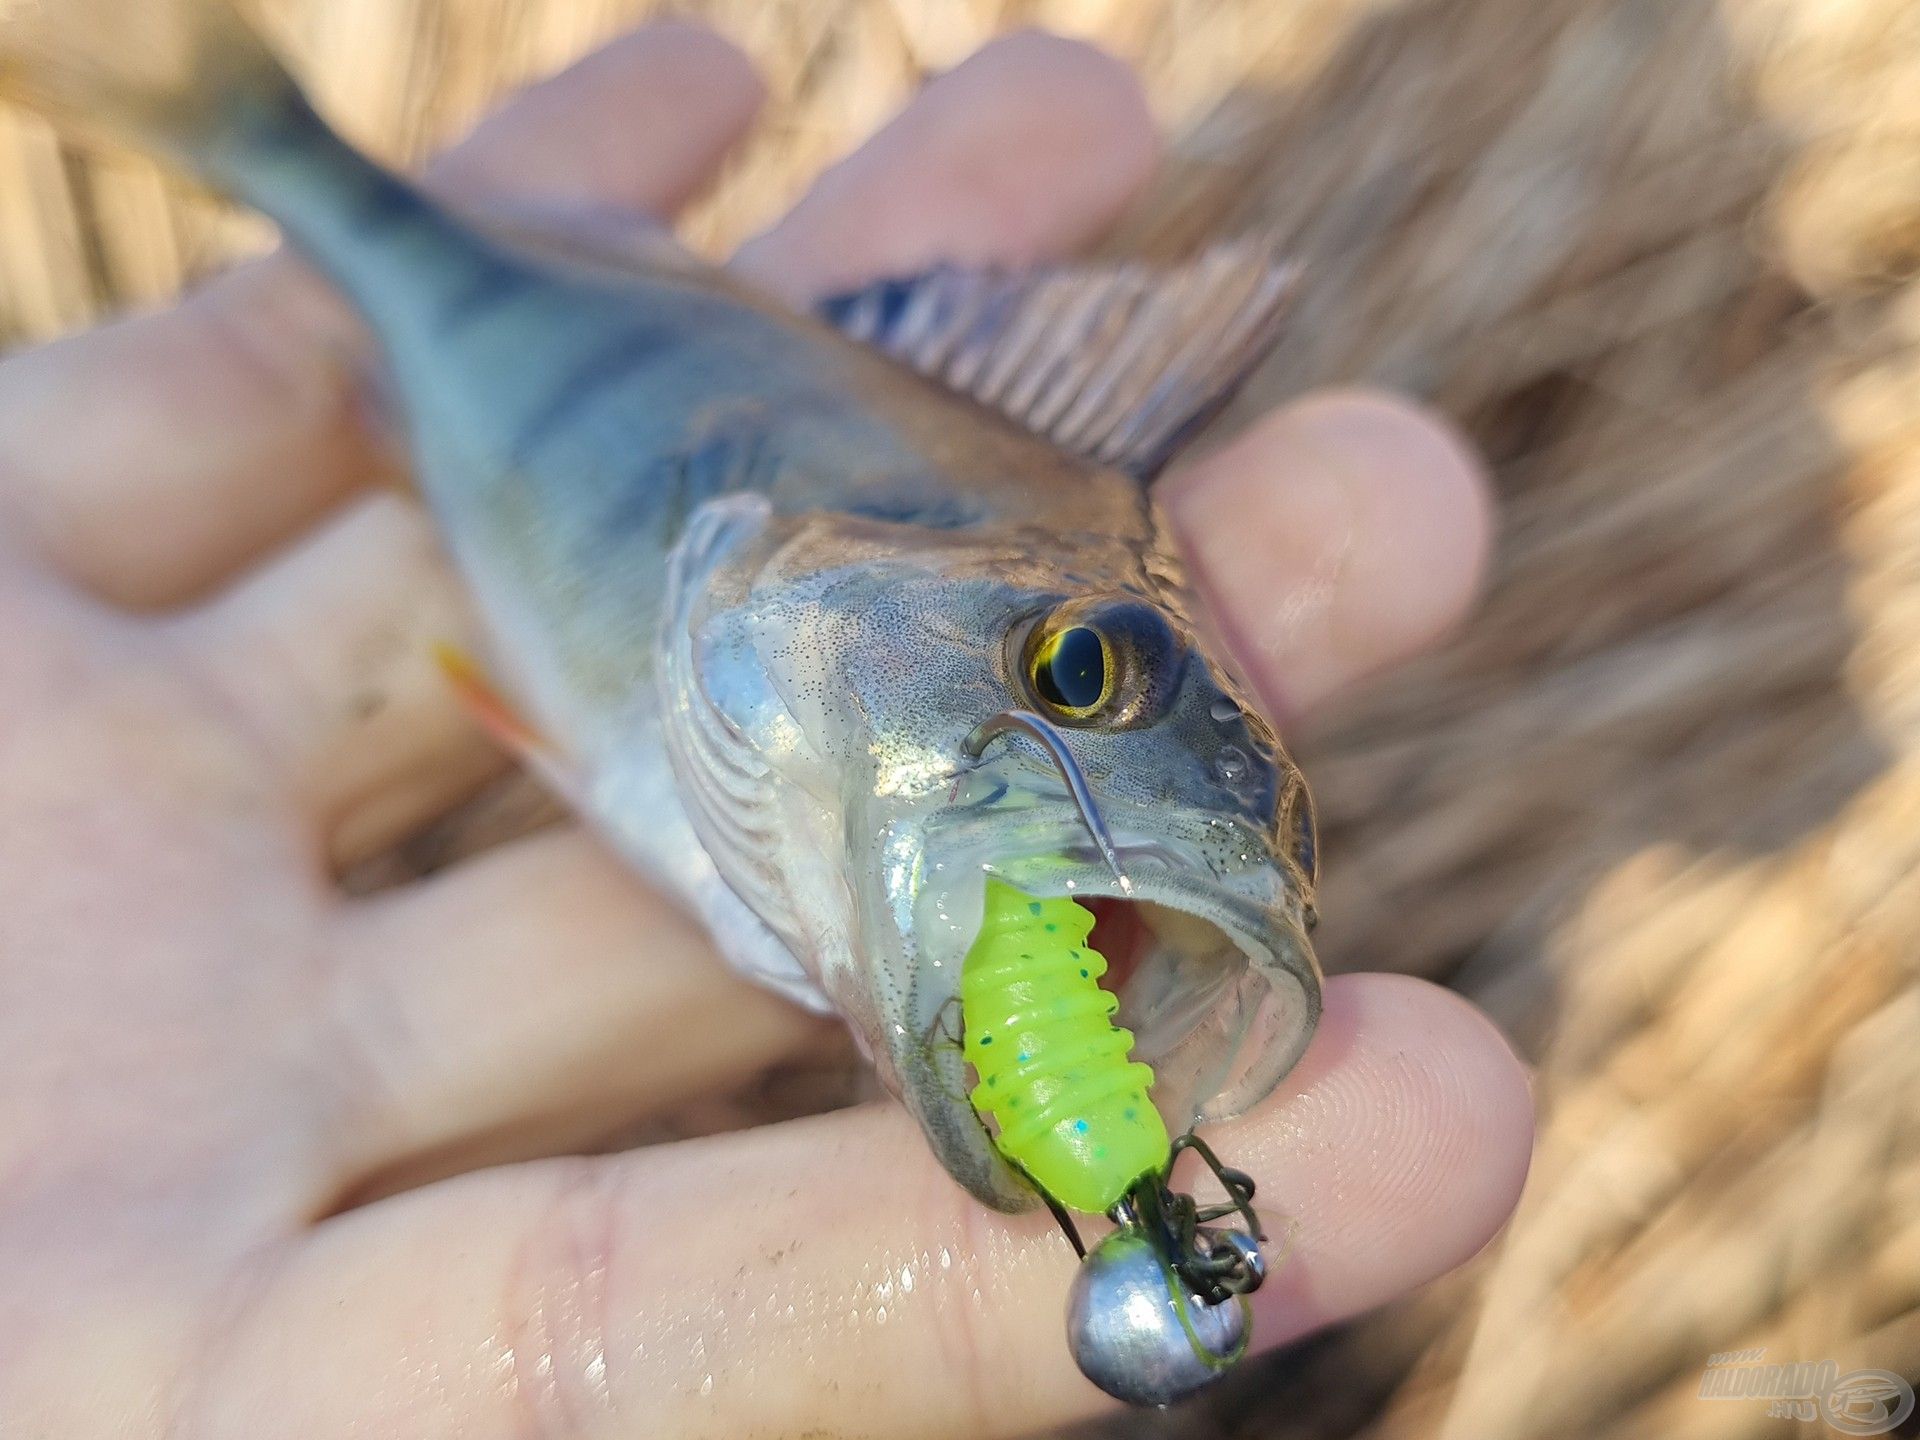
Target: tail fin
[[159, 74], [193, 80]]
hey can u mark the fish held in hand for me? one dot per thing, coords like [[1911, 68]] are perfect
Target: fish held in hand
[[828, 622]]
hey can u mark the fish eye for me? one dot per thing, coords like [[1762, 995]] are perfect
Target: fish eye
[[1106, 661], [1072, 671]]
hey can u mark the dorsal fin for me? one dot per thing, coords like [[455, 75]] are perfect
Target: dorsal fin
[[1119, 361]]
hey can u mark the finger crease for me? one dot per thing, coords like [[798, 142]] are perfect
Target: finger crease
[[231, 1315], [555, 1308]]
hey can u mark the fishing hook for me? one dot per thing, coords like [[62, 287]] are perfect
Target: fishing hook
[[1215, 1263], [1031, 725]]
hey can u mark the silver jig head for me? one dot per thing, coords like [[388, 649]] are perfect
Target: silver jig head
[[1158, 1308], [1139, 1334]]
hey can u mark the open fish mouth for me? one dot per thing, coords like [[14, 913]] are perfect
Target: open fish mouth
[[1205, 941]]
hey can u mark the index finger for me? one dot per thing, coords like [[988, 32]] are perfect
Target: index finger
[[825, 1276]]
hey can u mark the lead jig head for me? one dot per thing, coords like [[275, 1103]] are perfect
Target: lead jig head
[[1138, 1333], [1158, 1308]]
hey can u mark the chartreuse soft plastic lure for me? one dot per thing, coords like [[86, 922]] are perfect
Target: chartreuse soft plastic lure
[[1158, 1308], [1071, 1108]]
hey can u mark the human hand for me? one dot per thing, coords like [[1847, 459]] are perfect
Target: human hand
[[215, 636]]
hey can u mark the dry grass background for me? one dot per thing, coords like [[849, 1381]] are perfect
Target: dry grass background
[[1660, 809]]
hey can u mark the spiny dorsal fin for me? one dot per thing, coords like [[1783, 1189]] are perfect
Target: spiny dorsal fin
[[1119, 362]]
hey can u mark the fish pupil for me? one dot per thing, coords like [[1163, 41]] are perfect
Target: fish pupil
[[1071, 672]]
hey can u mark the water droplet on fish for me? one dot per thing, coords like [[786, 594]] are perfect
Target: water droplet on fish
[[1230, 765], [706, 1385], [1224, 710]]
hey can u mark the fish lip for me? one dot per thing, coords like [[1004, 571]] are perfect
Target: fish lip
[[1063, 859], [1156, 870], [1258, 905], [920, 911]]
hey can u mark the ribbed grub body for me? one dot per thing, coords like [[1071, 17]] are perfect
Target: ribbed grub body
[[1072, 1109]]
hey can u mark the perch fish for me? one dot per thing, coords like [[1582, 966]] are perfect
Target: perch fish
[[827, 620]]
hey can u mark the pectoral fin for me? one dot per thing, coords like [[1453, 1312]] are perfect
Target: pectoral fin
[[1118, 362], [489, 709], [503, 722]]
